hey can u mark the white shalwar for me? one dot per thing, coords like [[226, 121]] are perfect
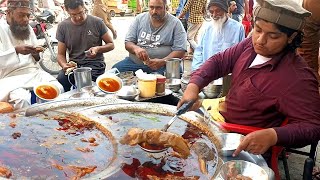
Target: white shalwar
[[18, 72]]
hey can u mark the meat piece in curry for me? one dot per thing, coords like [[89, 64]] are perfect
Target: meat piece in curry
[[136, 136]]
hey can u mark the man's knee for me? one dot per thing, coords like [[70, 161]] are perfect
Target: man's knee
[[63, 80]]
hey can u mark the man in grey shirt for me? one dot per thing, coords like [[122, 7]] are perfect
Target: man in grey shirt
[[78, 34], [153, 38]]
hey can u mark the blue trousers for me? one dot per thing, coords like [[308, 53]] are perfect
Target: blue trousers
[[128, 65]]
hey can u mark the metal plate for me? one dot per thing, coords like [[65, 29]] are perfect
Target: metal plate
[[167, 92], [257, 159], [70, 105]]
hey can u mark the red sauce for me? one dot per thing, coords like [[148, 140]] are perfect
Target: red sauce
[[109, 84], [46, 92]]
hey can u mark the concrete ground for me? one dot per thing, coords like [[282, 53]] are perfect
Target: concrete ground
[[121, 24]]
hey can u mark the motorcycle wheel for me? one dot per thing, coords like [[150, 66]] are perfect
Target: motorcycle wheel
[[49, 62]]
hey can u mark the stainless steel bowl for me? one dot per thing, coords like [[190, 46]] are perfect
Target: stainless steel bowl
[[212, 91], [232, 169], [128, 93], [185, 81], [173, 84], [230, 142]]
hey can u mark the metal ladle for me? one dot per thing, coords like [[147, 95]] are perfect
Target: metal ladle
[[183, 109]]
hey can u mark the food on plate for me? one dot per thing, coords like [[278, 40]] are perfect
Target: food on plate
[[173, 177], [39, 49], [5, 172], [136, 136], [234, 174], [5, 107], [205, 153], [241, 177]]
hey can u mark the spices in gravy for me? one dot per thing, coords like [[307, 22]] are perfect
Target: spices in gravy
[[109, 84], [142, 165], [56, 147], [46, 92]]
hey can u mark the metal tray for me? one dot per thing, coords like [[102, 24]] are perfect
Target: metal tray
[[167, 92]]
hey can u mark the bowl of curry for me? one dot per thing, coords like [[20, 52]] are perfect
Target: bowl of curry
[[109, 83], [46, 91]]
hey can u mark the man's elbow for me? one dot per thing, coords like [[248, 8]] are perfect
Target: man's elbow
[[112, 46]]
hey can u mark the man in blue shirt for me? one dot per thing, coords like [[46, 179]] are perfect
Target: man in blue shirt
[[222, 33]]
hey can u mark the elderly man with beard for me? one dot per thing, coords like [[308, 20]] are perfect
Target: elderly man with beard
[[153, 38], [18, 56], [270, 81], [222, 33]]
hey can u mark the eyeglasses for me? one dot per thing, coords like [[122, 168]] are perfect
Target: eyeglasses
[[80, 14]]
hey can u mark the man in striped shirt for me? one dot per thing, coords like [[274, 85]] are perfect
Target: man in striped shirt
[[196, 9]]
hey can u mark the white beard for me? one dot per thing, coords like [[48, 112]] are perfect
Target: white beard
[[218, 24]]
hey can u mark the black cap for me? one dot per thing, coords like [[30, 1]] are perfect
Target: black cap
[[223, 4]]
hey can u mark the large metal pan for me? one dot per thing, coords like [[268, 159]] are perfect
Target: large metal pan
[[120, 117]]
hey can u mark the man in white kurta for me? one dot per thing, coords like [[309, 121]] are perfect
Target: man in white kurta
[[19, 71]]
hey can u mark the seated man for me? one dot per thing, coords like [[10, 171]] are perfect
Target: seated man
[[219, 35], [152, 39], [18, 56], [270, 82], [80, 33]]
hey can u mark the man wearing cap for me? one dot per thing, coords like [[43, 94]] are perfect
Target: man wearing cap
[[221, 33], [18, 56], [270, 82]]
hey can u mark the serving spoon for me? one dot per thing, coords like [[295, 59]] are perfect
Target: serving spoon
[[182, 109]]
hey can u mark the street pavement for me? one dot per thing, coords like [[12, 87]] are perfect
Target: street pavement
[[121, 24]]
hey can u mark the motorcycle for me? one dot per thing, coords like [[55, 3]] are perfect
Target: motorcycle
[[48, 61]]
